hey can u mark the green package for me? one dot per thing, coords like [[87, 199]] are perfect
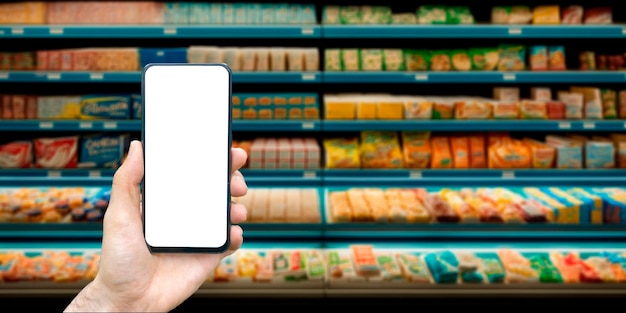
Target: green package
[[332, 59], [350, 15], [478, 58], [459, 15], [330, 15], [350, 59], [548, 273], [609, 103], [432, 14], [393, 60], [375, 15], [512, 57], [417, 60], [371, 59]]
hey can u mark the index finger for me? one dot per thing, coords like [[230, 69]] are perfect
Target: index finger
[[239, 157]]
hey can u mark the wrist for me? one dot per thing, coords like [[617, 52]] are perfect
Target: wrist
[[92, 298]]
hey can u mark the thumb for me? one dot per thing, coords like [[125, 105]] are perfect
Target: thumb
[[125, 191]]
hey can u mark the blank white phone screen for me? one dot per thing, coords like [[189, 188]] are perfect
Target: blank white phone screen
[[187, 145]]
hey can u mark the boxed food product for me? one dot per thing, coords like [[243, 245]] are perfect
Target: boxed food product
[[102, 150], [569, 153], [417, 60], [572, 14], [592, 101], [574, 104], [350, 59], [547, 14], [16, 154], [598, 15], [371, 59], [56, 152]]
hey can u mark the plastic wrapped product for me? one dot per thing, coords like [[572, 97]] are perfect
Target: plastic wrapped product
[[444, 267]]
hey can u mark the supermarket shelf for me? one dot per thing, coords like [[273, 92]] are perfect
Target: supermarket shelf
[[70, 125], [282, 177], [276, 125], [54, 181], [473, 31], [481, 231], [25, 173], [475, 177], [476, 77], [160, 31], [135, 77], [258, 231], [476, 125], [135, 125]]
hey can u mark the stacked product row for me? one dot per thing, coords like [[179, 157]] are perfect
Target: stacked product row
[[296, 106], [454, 15], [155, 12], [399, 205], [503, 57], [421, 149], [577, 102], [96, 150], [133, 59], [356, 264], [477, 205]]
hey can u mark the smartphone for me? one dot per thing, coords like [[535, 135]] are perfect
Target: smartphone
[[186, 134]]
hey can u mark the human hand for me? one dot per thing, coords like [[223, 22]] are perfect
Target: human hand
[[130, 278]]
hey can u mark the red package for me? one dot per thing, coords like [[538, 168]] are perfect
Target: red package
[[42, 60], [17, 154], [18, 102], [599, 15], [54, 60], [6, 109], [31, 107], [556, 110], [572, 15], [60, 152]]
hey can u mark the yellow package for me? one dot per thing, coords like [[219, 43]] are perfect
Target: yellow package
[[472, 108], [339, 107], [509, 153], [418, 108], [441, 154], [559, 210], [416, 149], [574, 205], [546, 14], [366, 109], [342, 153], [381, 149], [542, 155], [596, 215], [390, 109]]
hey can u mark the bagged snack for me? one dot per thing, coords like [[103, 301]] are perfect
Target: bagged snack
[[543, 155], [538, 58], [547, 15], [572, 14], [443, 108], [460, 60], [598, 15], [342, 153], [520, 14], [492, 58], [440, 61], [417, 60], [417, 108], [380, 149], [416, 149], [509, 153], [371, 59], [459, 15], [393, 60], [512, 58], [609, 103], [332, 59], [556, 58], [350, 14], [350, 59], [432, 14], [477, 150], [621, 100], [472, 108], [460, 151], [441, 154]]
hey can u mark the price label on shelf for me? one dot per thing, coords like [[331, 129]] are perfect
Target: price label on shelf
[[308, 125], [624, 31], [415, 174], [53, 76], [565, 125], [56, 31], [46, 125], [109, 125], [421, 77], [1, 32], [4, 75], [515, 31], [95, 173], [309, 174], [508, 174], [509, 77], [308, 76], [54, 173], [307, 31], [96, 76], [624, 125], [85, 125], [170, 31], [589, 125], [17, 31]]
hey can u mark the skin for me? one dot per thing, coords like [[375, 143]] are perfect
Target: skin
[[130, 278]]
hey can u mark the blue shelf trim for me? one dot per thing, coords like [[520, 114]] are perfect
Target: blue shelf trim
[[70, 125], [135, 77], [476, 125], [276, 125], [313, 31], [339, 77], [473, 31], [476, 77], [160, 31], [28, 173], [491, 245], [47, 181]]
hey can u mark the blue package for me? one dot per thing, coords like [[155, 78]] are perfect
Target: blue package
[[136, 106], [162, 55], [444, 267], [103, 150], [106, 106]]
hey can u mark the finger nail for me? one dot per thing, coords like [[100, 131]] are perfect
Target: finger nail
[[132, 148]]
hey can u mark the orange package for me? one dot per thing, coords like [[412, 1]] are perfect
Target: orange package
[[542, 155], [509, 153], [460, 151], [441, 154], [416, 149], [477, 158]]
